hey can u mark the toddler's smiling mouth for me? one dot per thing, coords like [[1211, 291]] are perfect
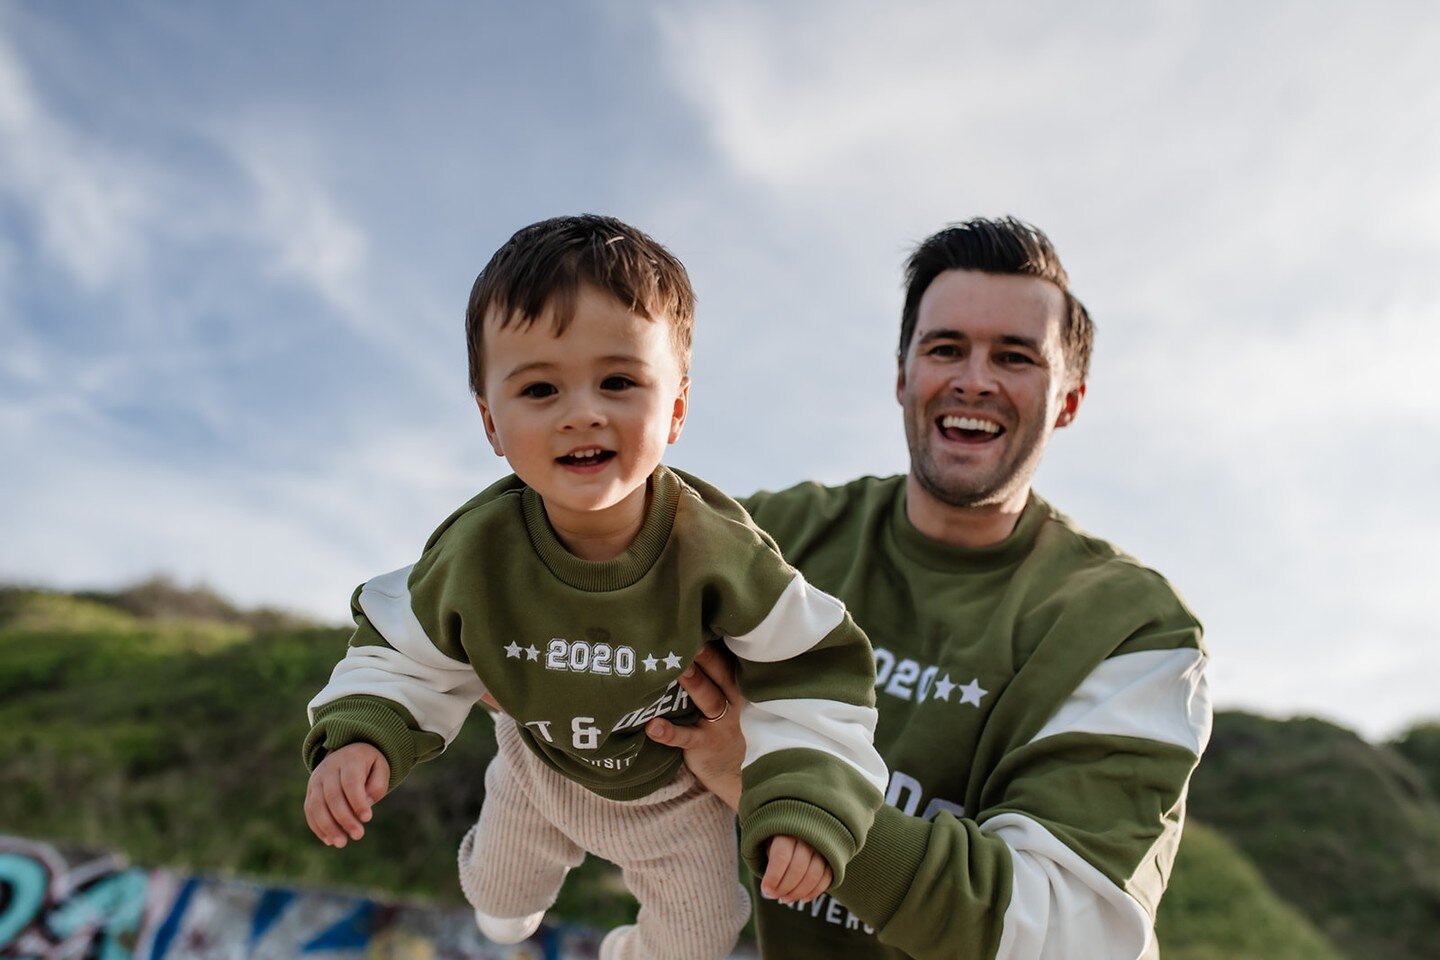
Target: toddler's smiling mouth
[[585, 457]]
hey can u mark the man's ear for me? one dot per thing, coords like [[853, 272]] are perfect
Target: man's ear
[[900, 381], [490, 433], [1069, 406], [681, 408]]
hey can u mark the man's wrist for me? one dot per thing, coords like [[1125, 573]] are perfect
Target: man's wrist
[[728, 790]]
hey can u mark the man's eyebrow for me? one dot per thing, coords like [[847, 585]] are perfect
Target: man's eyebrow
[[1015, 340], [1009, 339], [942, 334]]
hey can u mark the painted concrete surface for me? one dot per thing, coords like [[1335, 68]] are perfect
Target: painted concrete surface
[[65, 906]]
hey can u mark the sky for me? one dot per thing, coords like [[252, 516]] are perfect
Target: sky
[[236, 242]]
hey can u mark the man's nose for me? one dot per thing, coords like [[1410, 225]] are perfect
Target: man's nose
[[974, 376]]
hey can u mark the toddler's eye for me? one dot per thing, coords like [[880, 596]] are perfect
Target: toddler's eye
[[538, 391], [616, 383]]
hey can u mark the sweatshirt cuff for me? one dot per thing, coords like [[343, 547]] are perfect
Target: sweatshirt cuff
[[362, 720], [881, 872], [795, 818]]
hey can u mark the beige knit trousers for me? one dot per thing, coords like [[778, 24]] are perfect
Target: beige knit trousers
[[676, 849]]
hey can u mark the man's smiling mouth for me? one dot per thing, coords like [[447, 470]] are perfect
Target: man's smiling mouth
[[586, 457], [968, 429]]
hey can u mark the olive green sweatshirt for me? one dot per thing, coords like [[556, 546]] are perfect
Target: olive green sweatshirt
[[581, 654], [1042, 705]]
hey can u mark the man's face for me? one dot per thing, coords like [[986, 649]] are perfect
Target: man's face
[[983, 385], [584, 418]]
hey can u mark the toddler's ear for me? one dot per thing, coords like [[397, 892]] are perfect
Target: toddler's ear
[[682, 406], [490, 433]]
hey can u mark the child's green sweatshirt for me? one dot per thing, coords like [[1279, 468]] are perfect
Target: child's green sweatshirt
[[581, 654]]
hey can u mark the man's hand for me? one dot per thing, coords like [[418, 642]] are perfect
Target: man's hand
[[343, 788], [795, 872], [714, 748]]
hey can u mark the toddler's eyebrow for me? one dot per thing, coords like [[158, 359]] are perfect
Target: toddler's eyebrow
[[625, 358], [526, 368], [542, 366]]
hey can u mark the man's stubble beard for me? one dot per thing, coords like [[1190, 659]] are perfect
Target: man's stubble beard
[[999, 485]]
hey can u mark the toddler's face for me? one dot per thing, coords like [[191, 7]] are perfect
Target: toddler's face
[[584, 418]]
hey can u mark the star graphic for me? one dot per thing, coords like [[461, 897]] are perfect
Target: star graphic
[[531, 653], [512, 651], [650, 662], [672, 662], [943, 688], [972, 692]]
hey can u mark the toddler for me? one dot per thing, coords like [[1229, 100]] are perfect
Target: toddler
[[571, 595]]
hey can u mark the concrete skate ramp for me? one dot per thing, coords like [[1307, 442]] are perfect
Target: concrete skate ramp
[[57, 905]]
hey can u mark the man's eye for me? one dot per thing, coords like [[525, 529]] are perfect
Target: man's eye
[[946, 350], [616, 383], [1015, 358], [538, 391]]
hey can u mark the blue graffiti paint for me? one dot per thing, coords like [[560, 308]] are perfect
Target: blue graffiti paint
[[26, 880], [273, 904], [110, 906], [166, 934], [351, 933], [99, 909]]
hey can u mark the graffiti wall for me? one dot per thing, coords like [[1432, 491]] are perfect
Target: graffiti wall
[[58, 905]]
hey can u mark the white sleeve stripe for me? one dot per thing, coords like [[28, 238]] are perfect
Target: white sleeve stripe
[[1060, 905], [842, 730], [801, 618], [1153, 695], [386, 602], [438, 699], [437, 690]]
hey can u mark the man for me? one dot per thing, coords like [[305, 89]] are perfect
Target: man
[[1042, 696]]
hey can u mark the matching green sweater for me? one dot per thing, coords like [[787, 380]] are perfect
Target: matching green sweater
[[581, 654], [1042, 705]]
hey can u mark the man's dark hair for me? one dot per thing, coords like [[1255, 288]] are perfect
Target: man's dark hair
[[544, 264], [1006, 246]]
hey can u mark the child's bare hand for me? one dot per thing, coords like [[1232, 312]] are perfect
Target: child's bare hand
[[343, 788], [795, 872]]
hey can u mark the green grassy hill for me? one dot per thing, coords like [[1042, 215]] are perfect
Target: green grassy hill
[[166, 724], [1219, 907], [176, 739], [1421, 746], [1345, 831]]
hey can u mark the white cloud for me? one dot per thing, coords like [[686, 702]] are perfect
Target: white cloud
[[1168, 117], [309, 238], [90, 205]]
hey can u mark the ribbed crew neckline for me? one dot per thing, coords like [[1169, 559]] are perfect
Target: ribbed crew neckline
[[938, 555], [598, 576]]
